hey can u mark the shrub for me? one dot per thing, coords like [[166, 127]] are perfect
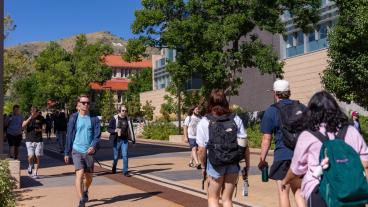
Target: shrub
[[364, 126], [255, 136], [159, 130], [7, 186]]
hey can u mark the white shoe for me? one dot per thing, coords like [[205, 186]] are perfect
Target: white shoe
[[35, 176]]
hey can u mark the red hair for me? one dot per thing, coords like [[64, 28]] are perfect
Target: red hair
[[218, 103]]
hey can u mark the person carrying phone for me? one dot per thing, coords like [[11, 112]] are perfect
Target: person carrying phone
[[83, 137], [34, 124]]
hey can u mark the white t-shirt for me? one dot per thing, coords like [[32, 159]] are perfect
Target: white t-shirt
[[192, 123], [203, 134]]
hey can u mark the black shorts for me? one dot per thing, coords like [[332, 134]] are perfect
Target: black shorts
[[14, 140], [279, 169], [83, 161], [315, 199]]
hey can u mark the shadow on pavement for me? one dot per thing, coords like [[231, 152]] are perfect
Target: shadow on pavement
[[158, 164], [133, 197], [141, 172], [19, 195], [27, 182]]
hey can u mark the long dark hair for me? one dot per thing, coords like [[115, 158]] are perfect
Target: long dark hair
[[218, 103], [323, 108]]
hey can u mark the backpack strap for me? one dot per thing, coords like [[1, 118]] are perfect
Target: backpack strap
[[342, 132], [321, 137]]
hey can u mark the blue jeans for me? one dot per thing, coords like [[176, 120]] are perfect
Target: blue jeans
[[121, 144]]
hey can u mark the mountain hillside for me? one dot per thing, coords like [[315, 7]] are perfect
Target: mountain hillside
[[32, 49]]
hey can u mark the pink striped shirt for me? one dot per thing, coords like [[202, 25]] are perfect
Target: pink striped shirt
[[306, 155]]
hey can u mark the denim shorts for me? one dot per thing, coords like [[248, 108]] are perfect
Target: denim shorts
[[83, 161], [219, 171], [192, 143]]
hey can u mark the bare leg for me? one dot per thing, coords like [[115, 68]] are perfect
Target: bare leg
[[229, 186], [87, 181], [36, 163], [195, 155], [214, 191], [295, 187], [283, 194], [79, 182]]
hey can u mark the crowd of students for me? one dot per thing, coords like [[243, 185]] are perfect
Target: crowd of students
[[218, 142]]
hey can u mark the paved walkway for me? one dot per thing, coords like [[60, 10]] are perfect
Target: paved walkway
[[161, 178]]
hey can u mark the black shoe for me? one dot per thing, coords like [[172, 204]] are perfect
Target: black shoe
[[85, 196], [82, 203], [126, 174], [113, 170]]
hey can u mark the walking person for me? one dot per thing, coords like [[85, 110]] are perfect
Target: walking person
[[356, 122], [222, 134], [48, 126], [326, 119], [83, 137], [121, 129], [60, 126], [34, 142], [14, 131], [271, 126], [190, 133]]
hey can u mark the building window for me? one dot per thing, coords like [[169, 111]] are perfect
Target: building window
[[295, 44], [170, 54], [322, 39], [114, 73], [312, 43]]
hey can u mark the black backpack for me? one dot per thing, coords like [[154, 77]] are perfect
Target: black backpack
[[291, 121], [223, 148]]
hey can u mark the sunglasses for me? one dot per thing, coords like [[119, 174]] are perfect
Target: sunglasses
[[123, 110], [84, 102]]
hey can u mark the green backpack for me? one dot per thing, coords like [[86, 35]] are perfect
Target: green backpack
[[344, 182]]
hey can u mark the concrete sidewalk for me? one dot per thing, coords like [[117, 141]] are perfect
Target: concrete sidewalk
[[161, 177], [55, 188]]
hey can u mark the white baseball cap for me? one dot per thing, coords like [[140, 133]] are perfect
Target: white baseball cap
[[281, 85]]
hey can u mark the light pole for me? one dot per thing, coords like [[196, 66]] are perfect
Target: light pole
[[1, 76]]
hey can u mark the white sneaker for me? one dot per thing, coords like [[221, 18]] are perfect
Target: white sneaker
[[35, 176], [29, 170]]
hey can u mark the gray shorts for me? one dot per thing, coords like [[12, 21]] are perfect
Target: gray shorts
[[83, 161], [35, 148]]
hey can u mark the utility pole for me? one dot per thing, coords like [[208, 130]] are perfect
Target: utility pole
[[1, 76]]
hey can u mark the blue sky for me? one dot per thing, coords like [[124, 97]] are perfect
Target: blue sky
[[45, 20]]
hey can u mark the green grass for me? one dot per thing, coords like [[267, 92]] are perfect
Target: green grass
[[364, 126], [255, 137]]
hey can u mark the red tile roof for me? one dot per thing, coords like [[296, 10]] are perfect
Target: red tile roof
[[117, 61], [116, 84]]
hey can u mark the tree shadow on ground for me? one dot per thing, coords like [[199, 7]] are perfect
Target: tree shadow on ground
[[27, 182], [20, 195], [134, 197]]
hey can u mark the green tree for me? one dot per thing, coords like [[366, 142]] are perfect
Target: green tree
[[168, 108], [347, 73], [16, 66], [139, 82], [62, 75], [8, 25], [207, 36], [105, 104], [134, 107], [147, 110]]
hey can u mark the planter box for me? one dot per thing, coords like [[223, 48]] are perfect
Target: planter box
[[3, 156], [14, 167], [176, 138]]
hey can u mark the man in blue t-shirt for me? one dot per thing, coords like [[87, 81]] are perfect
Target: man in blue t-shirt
[[83, 136], [270, 125]]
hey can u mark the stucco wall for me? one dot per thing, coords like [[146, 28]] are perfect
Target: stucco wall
[[157, 98], [303, 73]]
